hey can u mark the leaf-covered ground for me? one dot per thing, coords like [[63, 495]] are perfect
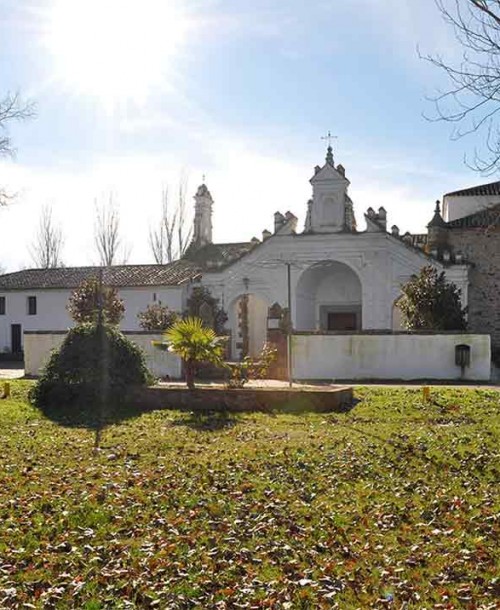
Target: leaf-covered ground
[[392, 505]]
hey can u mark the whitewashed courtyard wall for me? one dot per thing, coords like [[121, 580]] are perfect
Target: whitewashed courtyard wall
[[388, 356], [39, 345]]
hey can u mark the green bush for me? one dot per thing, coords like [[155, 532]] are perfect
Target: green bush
[[430, 302], [85, 302], [157, 317], [90, 375]]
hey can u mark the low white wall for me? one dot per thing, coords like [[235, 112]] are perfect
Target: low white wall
[[398, 356], [38, 347], [37, 350], [160, 363]]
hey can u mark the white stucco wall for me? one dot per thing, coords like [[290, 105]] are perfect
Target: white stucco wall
[[53, 315], [38, 347], [388, 356], [455, 206], [137, 299]]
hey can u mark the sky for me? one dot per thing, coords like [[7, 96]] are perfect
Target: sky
[[134, 96]]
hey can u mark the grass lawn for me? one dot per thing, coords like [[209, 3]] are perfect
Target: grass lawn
[[392, 505]]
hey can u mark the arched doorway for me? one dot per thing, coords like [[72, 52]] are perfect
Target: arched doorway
[[248, 323], [328, 297]]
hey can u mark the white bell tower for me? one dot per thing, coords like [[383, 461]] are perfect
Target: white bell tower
[[331, 207], [202, 230]]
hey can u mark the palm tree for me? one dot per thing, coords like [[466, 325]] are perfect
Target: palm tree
[[194, 343]]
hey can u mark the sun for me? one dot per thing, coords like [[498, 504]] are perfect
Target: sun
[[115, 50]]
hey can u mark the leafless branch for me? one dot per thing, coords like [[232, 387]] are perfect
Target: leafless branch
[[47, 244], [12, 108], [170, 240], [183, 234], [107, 237], [473, 100]]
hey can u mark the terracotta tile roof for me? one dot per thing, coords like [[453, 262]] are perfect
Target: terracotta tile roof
[[489, 217], [218, 255], [492, 188], [120, 276]]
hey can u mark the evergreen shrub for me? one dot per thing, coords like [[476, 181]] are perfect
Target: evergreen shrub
[[91, 374]]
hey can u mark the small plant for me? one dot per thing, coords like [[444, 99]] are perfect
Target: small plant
[[252, 368], [89, 297], [194, 343], [157, 317]]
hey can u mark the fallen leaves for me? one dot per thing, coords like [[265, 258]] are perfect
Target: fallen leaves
[[381, 507]]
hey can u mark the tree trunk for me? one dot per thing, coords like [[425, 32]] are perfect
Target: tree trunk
[[189, 370]]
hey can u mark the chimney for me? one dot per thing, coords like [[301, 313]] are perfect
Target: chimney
[[382, 217], [266, 234], [279, 221], [395, 230]]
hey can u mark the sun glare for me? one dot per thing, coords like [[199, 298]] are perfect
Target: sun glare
[[115, 50]]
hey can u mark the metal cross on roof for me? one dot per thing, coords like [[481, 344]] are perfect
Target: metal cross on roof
[[329, 138]]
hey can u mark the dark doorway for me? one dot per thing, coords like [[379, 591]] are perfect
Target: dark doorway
[[341, 321], [15, 339]]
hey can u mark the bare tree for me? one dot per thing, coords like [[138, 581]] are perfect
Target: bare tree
[[47, 244], [472, 102], [172, 237], [12, 108], [161, 239], [183, 233], [107, 236]]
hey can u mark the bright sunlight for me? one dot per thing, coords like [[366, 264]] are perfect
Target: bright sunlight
[[115, 50]]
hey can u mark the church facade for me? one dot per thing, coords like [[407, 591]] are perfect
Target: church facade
[[332, 276]]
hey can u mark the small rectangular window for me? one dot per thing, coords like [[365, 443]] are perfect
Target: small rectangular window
[[2, 306], [154, 297], [32, 306]]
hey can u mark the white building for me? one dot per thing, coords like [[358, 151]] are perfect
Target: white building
[[338, 278]]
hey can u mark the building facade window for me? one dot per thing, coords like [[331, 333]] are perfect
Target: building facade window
[[2, 306], [32, 306]]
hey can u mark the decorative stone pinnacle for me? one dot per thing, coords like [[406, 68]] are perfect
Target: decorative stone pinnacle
[[437, 219], [329, 155]]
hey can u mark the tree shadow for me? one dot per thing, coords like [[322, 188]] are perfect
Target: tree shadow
[[207, 421], [86, 417]]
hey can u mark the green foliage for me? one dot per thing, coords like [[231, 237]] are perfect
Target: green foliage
[[194, 343], [83, 304], [429, 302], [157, 317], [396, 499], [91, 372], [252, 368], [201, 304]]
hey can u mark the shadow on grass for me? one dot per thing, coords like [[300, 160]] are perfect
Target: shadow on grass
[[207, 421], [81, 413]]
